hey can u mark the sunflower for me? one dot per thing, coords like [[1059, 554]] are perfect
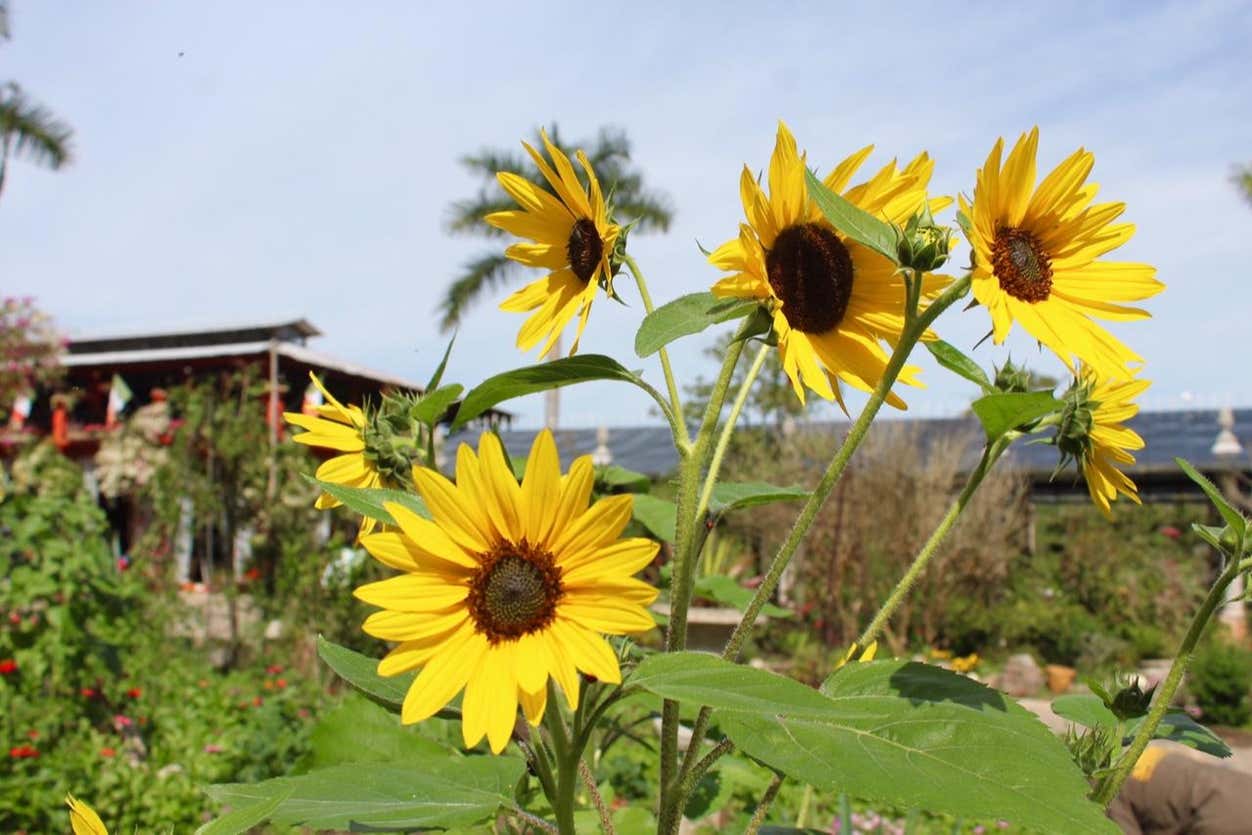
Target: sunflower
[[573, 240], [83, 819], [340, 428], [1036, 254], [510, 584], [834, 302], [1093, 432]]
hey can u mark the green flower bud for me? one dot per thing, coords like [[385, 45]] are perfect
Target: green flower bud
[[923, 244]]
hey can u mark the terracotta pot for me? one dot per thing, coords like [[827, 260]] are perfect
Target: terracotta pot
[[1060, 677]]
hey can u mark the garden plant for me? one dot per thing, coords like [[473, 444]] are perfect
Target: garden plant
[[514, 614]]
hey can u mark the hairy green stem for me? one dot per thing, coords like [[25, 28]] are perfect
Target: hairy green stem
[[762, 808], [913, 330], [567, 757], [680, 431], [589, 782], [1112, 784], [728, 428], [685, 554], [990, 455]]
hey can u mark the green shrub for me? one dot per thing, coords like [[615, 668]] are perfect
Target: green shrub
[[1220, 679]]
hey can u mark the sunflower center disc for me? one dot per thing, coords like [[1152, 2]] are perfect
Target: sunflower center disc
[[514, 593], [1022, 267], [584, 249], [810, 269]]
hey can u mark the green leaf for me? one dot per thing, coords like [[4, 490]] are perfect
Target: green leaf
[[1177, 726], [1086, 710], [535, 378], [1234, 519], [729, 496], [240, 820], [1001, 413], [434, 405], [952, 359], [443, 363], [726, 591], [659, 516], [615, 476], [684, 316], [856, 223], [357, 730], [894, 732], [426, 792], [361, 672], [368, 501]]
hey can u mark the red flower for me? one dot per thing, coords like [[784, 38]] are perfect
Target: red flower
[[134, 692], [88, 692], [32, 734], [252, 574], [22, 752], [281, 683], [273, 669], [8, 666], [1171, 532], [15, 618], [107, 753]]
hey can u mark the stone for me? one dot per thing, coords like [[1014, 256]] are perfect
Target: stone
[[1021, 676]]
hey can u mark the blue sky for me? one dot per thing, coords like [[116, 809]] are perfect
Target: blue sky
[[297, 159]]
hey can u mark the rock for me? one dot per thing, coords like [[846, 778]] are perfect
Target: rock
[[1021, 676], [273, 630]]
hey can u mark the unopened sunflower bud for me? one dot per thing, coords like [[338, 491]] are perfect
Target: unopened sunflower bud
[[1073, 436], [923, 244], [1012, 378]]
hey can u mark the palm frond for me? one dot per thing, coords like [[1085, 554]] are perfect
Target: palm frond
[[488, 161], [465, 217], [1242, 178], [4, 20], [485, 273], [30, 130], [651, 210]]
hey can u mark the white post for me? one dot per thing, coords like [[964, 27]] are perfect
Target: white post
[[183, 539]]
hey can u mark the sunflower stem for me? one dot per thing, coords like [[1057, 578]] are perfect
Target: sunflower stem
[[675, 401], [684, 560], [990, 455], [913, 330], [728, 428], [567, 756], [1112, 784], [762, 808]]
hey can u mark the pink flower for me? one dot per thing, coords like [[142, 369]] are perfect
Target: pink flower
[[213, 749]]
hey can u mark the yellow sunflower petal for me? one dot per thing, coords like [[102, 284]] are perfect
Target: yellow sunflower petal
[[541, 488], [442, 677], [83, 819], [533, 704], [413, 592]]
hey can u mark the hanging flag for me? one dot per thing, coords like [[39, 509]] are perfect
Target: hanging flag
[[119, 396], [20, 411], [312, 399]]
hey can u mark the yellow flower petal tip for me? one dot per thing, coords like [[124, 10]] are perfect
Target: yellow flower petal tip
[[510, 585], [835, 304], [83, 819]]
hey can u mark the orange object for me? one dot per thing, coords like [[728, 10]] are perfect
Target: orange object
[[61, 427]]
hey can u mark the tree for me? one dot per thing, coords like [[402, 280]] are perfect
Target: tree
[[1242, 178], [27, 129], [609, 155]]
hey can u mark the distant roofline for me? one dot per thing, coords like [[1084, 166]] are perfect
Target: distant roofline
[[283, 330]]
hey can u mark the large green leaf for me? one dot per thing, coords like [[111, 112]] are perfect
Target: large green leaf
[[659, 516], [435, 791], [729, 496], [684, 316], [361, 672], [893, 732], [357, 730], [434, 404], [615, 476], [853, 221], [1234, 519], [1001, 413], [952, 359], [242, 819], [1084, 709], [536, 378], [368, 501]]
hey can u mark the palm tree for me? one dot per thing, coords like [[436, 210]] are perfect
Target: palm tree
[[609, 155], [26, 128], [1242, 178]]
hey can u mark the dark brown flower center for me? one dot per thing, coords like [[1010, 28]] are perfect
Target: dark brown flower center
[[515, 592], [811, 272], [585, 249], [1021, 265]]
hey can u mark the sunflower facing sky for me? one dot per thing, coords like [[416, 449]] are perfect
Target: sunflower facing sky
[[572, 239], [509, 585], [834, 302], [1036, 252], [1108, 443], [341, 428]]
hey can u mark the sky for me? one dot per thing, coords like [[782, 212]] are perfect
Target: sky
[[239, 162]]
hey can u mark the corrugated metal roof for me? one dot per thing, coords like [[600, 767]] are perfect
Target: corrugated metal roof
[[191, 336], [650, 450]]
